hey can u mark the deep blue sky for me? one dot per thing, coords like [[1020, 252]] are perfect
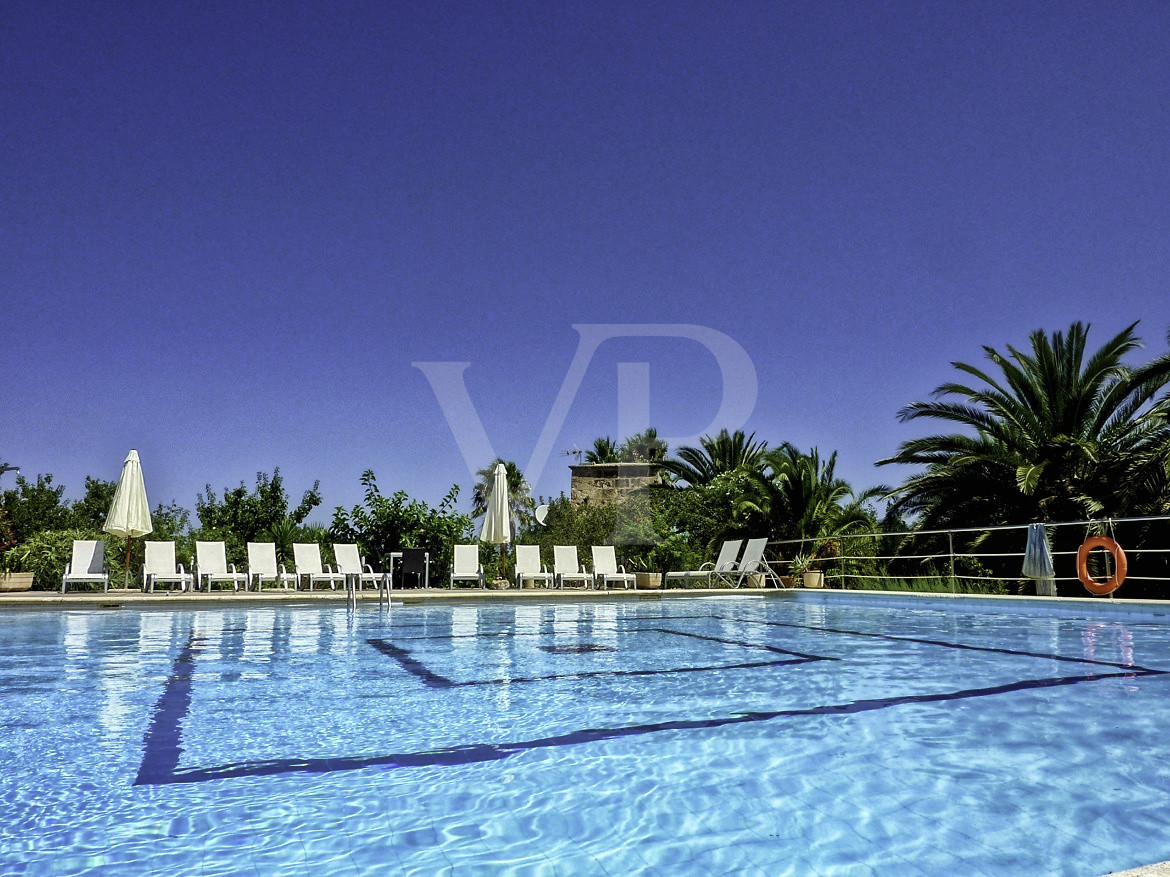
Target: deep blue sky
[[228, 230]]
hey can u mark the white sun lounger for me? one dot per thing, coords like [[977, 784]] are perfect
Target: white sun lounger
[[466, 567], [160, 567], [567, 568], [529, 567], [752, 563], [88, 564], [724, 563], [262, 566], [351, 563], [211, 566], [307, 556], [606, 569]]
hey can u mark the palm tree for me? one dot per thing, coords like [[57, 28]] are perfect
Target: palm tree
[[724, 453], [800, 496], [1055, 435], [604, 450], [520, 499], [813, 502], [643, 447]]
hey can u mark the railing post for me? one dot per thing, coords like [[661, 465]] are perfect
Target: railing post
[[951, 544]]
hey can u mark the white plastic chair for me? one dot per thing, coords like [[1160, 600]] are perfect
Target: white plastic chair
[[160, 567], [567, 568], [724, 563], [211, 565], [529, 567], [262, 565], [88, 564], [307, 556], [466, 567], [606, 569], [351, 563]]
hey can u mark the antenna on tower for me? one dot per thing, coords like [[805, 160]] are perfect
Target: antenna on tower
[[575, 452]]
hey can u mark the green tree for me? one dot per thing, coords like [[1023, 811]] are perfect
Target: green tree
[[89, 512], [807, 500], [718, 455], [34, 506], [242, 516], [1056, 433], [7, 534]]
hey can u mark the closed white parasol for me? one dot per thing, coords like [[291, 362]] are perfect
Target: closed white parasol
[[497, 523], [129, 514]]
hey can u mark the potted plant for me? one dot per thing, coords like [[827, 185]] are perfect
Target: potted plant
[[651, 564], [647, 577], [804, 569]]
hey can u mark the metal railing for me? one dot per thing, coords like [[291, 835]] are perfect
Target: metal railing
[[857, 562]]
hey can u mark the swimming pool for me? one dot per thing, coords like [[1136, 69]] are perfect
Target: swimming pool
[[782, 735]]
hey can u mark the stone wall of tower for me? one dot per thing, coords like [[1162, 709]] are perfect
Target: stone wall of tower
[[609, 482]]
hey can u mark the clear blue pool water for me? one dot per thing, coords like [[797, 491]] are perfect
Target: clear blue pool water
[[735, 735]]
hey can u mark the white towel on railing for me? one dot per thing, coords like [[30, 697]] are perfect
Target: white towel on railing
[[1038, 556], [1038, 561]]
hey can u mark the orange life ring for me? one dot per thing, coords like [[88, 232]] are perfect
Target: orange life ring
[[1094, 586]]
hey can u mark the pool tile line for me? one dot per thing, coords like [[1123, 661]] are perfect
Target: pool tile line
[[486, 752], [543, 626], [950, 645], [708, 638], [735, 642], [862, 706], [411, 664], [434, 680], [162, 742]]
